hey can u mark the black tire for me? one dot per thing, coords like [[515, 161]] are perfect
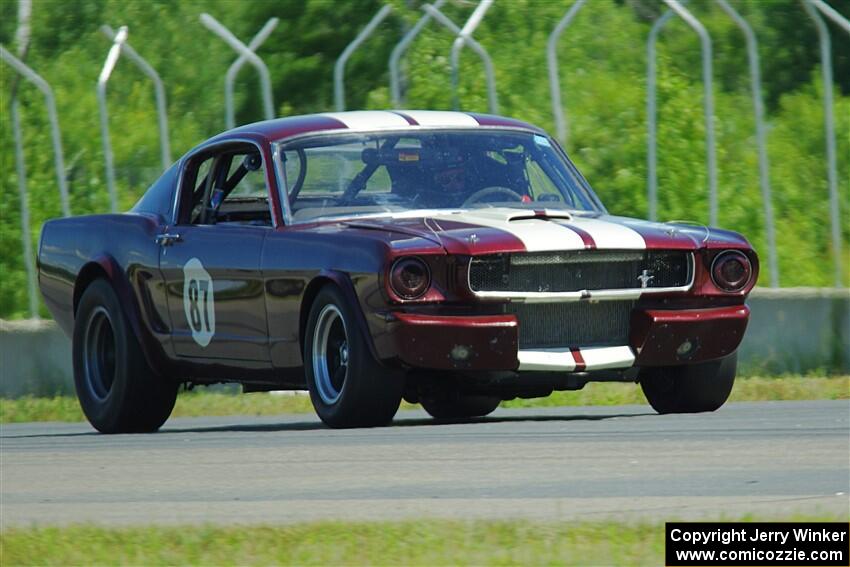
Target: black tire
[[690, 389], [350, 389], [117, 390], [453, 405]]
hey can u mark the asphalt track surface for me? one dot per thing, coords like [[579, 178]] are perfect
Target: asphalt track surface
[[590, 463]]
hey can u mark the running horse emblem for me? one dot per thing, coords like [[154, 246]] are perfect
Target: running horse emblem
[[645, 277]]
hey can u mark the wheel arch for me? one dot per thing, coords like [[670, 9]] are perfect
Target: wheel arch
[[343, 282], [88, 274], [107, 268]]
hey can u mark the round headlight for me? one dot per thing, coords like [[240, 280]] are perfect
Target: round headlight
[[731, 270], [410, 278]]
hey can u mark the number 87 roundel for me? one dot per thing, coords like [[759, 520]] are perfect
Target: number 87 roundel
[[199, 301]]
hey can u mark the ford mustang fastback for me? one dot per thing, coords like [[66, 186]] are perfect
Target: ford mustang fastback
[[449, 259]]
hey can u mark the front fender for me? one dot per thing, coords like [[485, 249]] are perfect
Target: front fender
[[343, 281]]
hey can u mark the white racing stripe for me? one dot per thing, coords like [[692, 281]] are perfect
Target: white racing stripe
[[365, 120], [595, 358], [537, 235], [610, 235], [548, 359], [599, 358], [540, 235], [440, 118]]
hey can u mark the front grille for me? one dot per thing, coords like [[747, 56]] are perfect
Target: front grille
[[574, 324], [579, 270]]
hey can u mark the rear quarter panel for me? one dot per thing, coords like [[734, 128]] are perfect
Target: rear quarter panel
[[120, 247]]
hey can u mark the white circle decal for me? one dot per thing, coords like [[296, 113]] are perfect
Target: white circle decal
[[199, 301]]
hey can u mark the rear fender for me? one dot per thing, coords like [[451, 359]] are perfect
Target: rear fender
[[106, 267]]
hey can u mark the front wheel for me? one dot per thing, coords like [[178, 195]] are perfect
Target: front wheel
[[347, 386], [690, 389]]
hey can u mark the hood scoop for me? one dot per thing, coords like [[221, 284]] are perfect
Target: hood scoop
[[541, 215], [511, 215]]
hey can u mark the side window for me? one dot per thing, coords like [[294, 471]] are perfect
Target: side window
[[198, 182], [250, 183], [228, 187], [203, 172]]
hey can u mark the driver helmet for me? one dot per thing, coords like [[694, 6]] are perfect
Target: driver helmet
[[451, 179], [450, 174]]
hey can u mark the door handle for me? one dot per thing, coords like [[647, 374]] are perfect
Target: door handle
[[167, 239]]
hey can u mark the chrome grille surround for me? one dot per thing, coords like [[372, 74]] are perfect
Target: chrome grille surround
[[580, 274]]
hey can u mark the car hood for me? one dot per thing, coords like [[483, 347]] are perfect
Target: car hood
[[491, 230]]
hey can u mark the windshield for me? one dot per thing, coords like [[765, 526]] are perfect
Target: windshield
[[350, 175]]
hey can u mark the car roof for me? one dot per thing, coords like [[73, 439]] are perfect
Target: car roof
[[370, 120]]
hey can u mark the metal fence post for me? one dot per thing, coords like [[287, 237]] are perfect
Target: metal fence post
[[339, 66], [159, 90], [265, 78], [233, 70], [651, 116], [829, 127], [552, 64], [399, 50], [108, 67], [26, 236], [465, 32], [832, 14], [22, 38], [708, 104], [761, 137], [477, 48], [53, 119]]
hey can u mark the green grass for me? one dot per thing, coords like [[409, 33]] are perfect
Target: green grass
[[423, 542], [752, 389], [200, 403]]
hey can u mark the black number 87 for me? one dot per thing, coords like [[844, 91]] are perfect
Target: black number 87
[[196, 287]]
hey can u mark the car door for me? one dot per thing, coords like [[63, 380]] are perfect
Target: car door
[[210, 256]]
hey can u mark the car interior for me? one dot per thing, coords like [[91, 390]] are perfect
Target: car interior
[[228, 188], [395, 173], [380, 173]]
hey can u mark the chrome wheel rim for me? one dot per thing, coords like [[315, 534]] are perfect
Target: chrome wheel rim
[[99, 353], [330, 354]]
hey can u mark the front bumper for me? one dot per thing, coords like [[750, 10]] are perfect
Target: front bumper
[[489, 342]]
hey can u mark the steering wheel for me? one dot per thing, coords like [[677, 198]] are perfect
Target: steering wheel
[[494, 190]]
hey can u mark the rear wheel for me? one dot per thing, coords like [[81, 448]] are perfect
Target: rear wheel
[[347, 386], [454, 405], [117, 390], [690, 389]]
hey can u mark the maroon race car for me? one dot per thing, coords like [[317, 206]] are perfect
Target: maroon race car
[[450, 259]]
